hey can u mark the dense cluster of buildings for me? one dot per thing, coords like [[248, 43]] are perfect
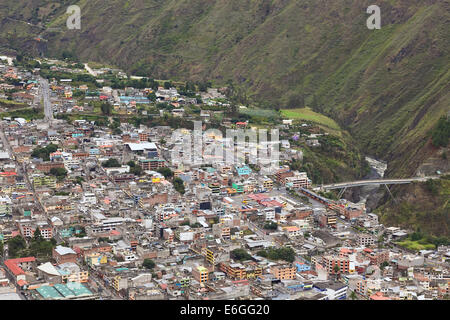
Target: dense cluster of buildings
[[118, 234]]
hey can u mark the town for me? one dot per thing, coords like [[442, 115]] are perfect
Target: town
[[93, 207]]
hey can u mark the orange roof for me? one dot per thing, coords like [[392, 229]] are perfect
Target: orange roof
[[12, 264], [8, 173], [22, 282], [379, 296], [15, 233], [114, 232]]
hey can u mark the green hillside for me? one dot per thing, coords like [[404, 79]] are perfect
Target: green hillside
[[423, 207], [388, 87]]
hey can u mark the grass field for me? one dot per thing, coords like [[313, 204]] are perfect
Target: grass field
[[416, 245], [256, 112], [309, 115]]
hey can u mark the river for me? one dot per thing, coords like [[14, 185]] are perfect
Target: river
[[377, 172]]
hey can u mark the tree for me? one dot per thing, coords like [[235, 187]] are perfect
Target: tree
[[270, 225], [190, 86], [44, 153], [136, 170], [15, 246], [196, 225], [152, 96], [203, 86], [79, 180], [37, 236], [262, 253], [60, 173], [441, 133], [148, 264], [336, 268], [178, 184], [111, 163], [240, 254], [106, 108], [167, 84], [166, 172], [286, 254], [353, 295]]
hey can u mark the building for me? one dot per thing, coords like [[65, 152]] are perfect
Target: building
[[365, 240], [5, 206], [292, 231], [302, 266], [47, 166], [298, 180], [40, 180], [28, 227], [268, 184], [119, 283], [151, 164], [333, 290], [71, 272], [64, 255], [244, 170], [379, 257], [239, 187], [283, 272], [200, 274], [327, 218], [18, 267], [237, 271], [336, 264]]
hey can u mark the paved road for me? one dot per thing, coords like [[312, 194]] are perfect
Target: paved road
[[88, 69], [45, 93]]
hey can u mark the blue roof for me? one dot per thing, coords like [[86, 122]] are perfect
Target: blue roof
[[48, 292]]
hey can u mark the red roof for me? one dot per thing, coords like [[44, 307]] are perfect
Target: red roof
[[114, 232], [22, 282], [271, 203], [379, 296], [258, 196], [12, 264]]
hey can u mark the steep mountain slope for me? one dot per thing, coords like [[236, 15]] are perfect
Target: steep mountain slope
[[388, 86], [420, 206]]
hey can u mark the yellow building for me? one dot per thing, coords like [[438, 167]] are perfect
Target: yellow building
[[82, 276], [200, 274], [119, 283], [209, 255], [268, 184], [44, 180], [96, 259]]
